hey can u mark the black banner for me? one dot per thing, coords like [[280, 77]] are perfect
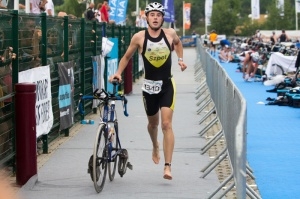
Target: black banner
[[66, 94]]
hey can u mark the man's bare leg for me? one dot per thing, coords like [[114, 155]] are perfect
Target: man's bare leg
[[153, 129], [168, 141]]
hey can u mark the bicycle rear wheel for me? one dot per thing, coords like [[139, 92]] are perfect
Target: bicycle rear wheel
[[277, 70], [112, 165], [100, 156]]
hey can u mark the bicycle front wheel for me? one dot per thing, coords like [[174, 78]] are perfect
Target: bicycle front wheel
[[100, 157], [112, 165]]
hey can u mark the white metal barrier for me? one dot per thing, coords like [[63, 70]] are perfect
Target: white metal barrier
[[220, 101]]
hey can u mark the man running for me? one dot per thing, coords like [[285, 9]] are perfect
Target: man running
[[155, 46]]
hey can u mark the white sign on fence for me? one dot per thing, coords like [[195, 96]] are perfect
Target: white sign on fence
[[43, 107]]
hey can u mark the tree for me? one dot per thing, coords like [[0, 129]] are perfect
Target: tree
[[225, 16], [71, 7], [277, 22]]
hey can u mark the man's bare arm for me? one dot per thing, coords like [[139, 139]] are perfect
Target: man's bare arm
[[21, 6], [178, 45], [49, 12], [133, 46], [178, 49]]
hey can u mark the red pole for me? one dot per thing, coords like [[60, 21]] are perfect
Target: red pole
[[26, 151]]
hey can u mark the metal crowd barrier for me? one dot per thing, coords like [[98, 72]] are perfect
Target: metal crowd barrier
[[220, 102]]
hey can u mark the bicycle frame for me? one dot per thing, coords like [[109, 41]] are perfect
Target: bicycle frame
[[111, 147], [108, 116], [108, 119]]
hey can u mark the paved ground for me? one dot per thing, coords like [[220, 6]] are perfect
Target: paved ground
[[64, 174]]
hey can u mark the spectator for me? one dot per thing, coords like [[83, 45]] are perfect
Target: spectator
[[10, 5], [98, 13], [62, 14], [213, 38], [141, 21], [2, 6], [49, 8], [225, 54], [224, 42], [104, 12], [249, 41], [205, 38], [36, 6], [273, 38], [250, 64], [144, 21], [6, 87], [257, 35], [297, 63], [22, 7], [283, 37], [138, 21], [297, 44], [90, 15]]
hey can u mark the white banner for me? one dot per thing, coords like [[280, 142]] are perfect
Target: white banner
[[297, 6], [280, 7], [98, 75], [43, 107], [208, 11], [255, 9]]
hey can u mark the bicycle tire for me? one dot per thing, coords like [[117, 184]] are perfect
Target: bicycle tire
[[277, 70], [101, 110], [100, 155], [112, 165], [297, 75]]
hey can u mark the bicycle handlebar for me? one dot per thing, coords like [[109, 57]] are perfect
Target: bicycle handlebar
[[104, 96]]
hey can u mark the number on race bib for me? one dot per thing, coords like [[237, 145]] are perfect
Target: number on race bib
[[152, 87]]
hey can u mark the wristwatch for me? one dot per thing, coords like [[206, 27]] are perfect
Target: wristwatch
[[180, 59]]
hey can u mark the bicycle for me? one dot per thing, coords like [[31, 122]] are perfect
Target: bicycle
[[107, 150], [277, 69]]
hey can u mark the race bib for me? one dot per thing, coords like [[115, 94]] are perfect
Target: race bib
[[152, 87]]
